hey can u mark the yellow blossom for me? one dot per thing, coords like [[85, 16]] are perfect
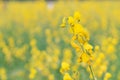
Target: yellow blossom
[[84, 58], [87, 46], [71, 20], [67, 77], [77, 16], [32, 73], [3, 75], [63, 22], [64, 67], [74, 45], [107, 76]]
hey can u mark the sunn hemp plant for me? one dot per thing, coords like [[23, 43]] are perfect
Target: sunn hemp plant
[[80, 41]]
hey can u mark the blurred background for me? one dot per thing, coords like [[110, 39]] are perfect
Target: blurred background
[[32, 44]]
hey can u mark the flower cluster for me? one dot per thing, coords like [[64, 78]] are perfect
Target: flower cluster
[[64, 70], [80, 38]]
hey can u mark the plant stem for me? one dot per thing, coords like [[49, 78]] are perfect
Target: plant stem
[[93, 75]]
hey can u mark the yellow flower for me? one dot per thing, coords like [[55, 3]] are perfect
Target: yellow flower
[[97, 48], [77, 16], [87, 46], [64, 67], [84, 58], [74, 45], [32, 73], [3, 74], [78, 28], [107, 76], [67, 77], [63, 22], [80, 32], [71, 20]]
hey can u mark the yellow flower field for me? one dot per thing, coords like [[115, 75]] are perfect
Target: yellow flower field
[[60, 40]]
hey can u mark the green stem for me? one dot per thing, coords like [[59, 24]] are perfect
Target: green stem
[[93, 75]]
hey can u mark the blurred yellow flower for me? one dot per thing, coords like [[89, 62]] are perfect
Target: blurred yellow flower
[[67, 77], [71, 20], [32, 73], [64, 67], [84, 58], [87, 46], [107, 76], [3, 75], [77, 16]]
